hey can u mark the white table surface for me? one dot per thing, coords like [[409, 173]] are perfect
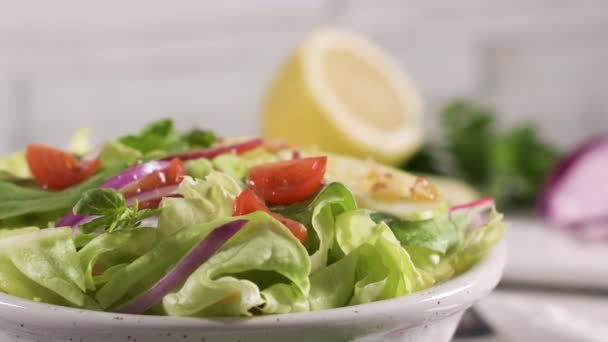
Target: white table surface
[[555, 288]]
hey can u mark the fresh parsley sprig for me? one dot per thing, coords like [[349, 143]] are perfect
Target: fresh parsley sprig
[[508, 165], [111, 209], [161, 135]]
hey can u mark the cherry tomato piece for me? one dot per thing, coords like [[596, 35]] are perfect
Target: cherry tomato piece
[[56, 169], [172, 175], [248, 202], [289, 181]]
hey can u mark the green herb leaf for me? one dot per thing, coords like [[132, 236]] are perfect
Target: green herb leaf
[[509, 166], [100, 202], [200, 138], [162, 136], [111, 207], [21, 205]]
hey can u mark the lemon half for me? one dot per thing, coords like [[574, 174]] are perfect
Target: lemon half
[[340, 92]]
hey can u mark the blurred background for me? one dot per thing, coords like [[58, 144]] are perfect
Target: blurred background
[[67, 64], [116, 65]]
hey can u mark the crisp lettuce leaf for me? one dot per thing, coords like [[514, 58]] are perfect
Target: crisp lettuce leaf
[[204, 200], [238, 166], [283, 298], [128, 282], [374, 267], [42, 265], [332, 286], [478, 242], [439, 233], [433, 266], [475, 244], [353, 228], [80, 143], [14, 166], [262, 254], [108, 250], [114, 153], [385, 269], [319, 217], [232, 165], [198, 168]]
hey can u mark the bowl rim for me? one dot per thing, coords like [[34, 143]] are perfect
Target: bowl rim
[[457, 293]]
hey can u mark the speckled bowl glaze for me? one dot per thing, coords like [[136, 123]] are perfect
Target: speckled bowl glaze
[[430, 315]]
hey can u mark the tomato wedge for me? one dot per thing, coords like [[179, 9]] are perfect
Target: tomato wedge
[[289, 181], [248, 202], [56, 169], [171, 175]]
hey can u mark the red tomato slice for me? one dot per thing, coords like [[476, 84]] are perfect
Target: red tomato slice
[[290, 181], [248, 202], [296, 228], [56, 169], [172, 175]]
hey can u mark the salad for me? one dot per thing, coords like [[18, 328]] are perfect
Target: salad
[[190, 224]]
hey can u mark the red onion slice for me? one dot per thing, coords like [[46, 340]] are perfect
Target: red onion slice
[[576, 192], [135, 173], [212, 152], [117, 182], [184, 268], [483, 203], [153, 194], [475, 210]]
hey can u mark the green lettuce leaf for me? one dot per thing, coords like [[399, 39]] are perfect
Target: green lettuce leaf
[[232, 165], [439, 233], [385, 269], [18, 201], [238, 166], [114, 153], [198, 168], [474, 245], [204, 200], [109, 250], [319, 217], [80, 143], [264, 253], [374, 267], [478, 242], [42, 265], [14, 166], [129, 281]]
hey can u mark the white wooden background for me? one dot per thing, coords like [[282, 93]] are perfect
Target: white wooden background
[[114, 64]]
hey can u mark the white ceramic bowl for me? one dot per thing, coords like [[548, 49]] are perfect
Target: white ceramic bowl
[[430, 315]]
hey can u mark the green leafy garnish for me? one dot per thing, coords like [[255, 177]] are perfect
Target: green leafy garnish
[[112, 209], [21, 205], [509, 166], [438, 234], [162, 136], [200, 138]]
